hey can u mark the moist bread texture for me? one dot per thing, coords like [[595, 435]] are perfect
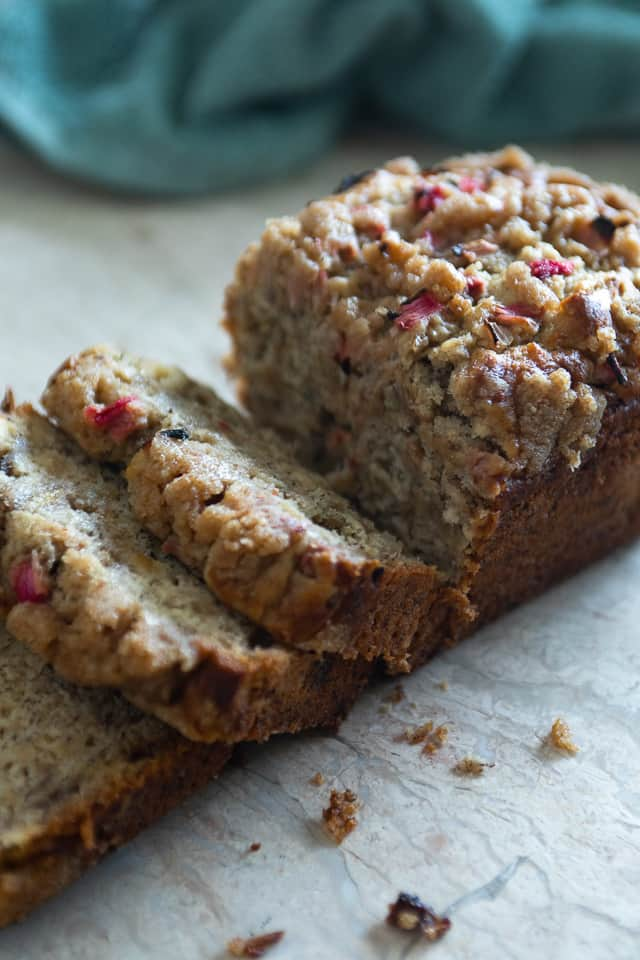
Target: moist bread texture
[[83, 771], [458, 349], [89, 591], [270, 538]]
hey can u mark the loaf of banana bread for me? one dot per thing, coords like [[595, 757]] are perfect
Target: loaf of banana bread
[[457, 348], [269, 537]]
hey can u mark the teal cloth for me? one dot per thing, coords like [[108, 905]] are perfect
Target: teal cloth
[[183, 96]]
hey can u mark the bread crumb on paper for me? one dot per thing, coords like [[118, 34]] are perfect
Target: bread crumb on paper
[[560, 737], [411, 915], [432, 737], [340, 816], [254, 946], [470, 767]]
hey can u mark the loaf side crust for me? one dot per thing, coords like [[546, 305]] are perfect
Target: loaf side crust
[[552, 525]]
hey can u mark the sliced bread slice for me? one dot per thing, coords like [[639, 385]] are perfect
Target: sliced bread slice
[[270, 538], [83, 771], [88, 590]]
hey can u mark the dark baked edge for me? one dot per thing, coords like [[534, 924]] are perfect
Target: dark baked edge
[[554, 524]]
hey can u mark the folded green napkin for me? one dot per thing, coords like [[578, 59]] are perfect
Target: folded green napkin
[[190, 95]]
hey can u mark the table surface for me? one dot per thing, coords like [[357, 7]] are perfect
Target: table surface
[[538, 857]]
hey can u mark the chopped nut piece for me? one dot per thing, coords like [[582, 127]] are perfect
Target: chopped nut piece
[[410, 914], [476, 249], [255, 946], [396, 695], [559, 737], [340, 815], [470, 767], [317, 779], [515, 313]]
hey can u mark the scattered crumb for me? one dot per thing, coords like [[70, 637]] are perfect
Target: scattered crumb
[[340, 816], [8, 404], [397, 695], [432, 737], [560, 737], [418, 734], [410, 914], [443, 685], [255, 946], [437, 740], [470, 767], [255, 847], [317, 779]]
